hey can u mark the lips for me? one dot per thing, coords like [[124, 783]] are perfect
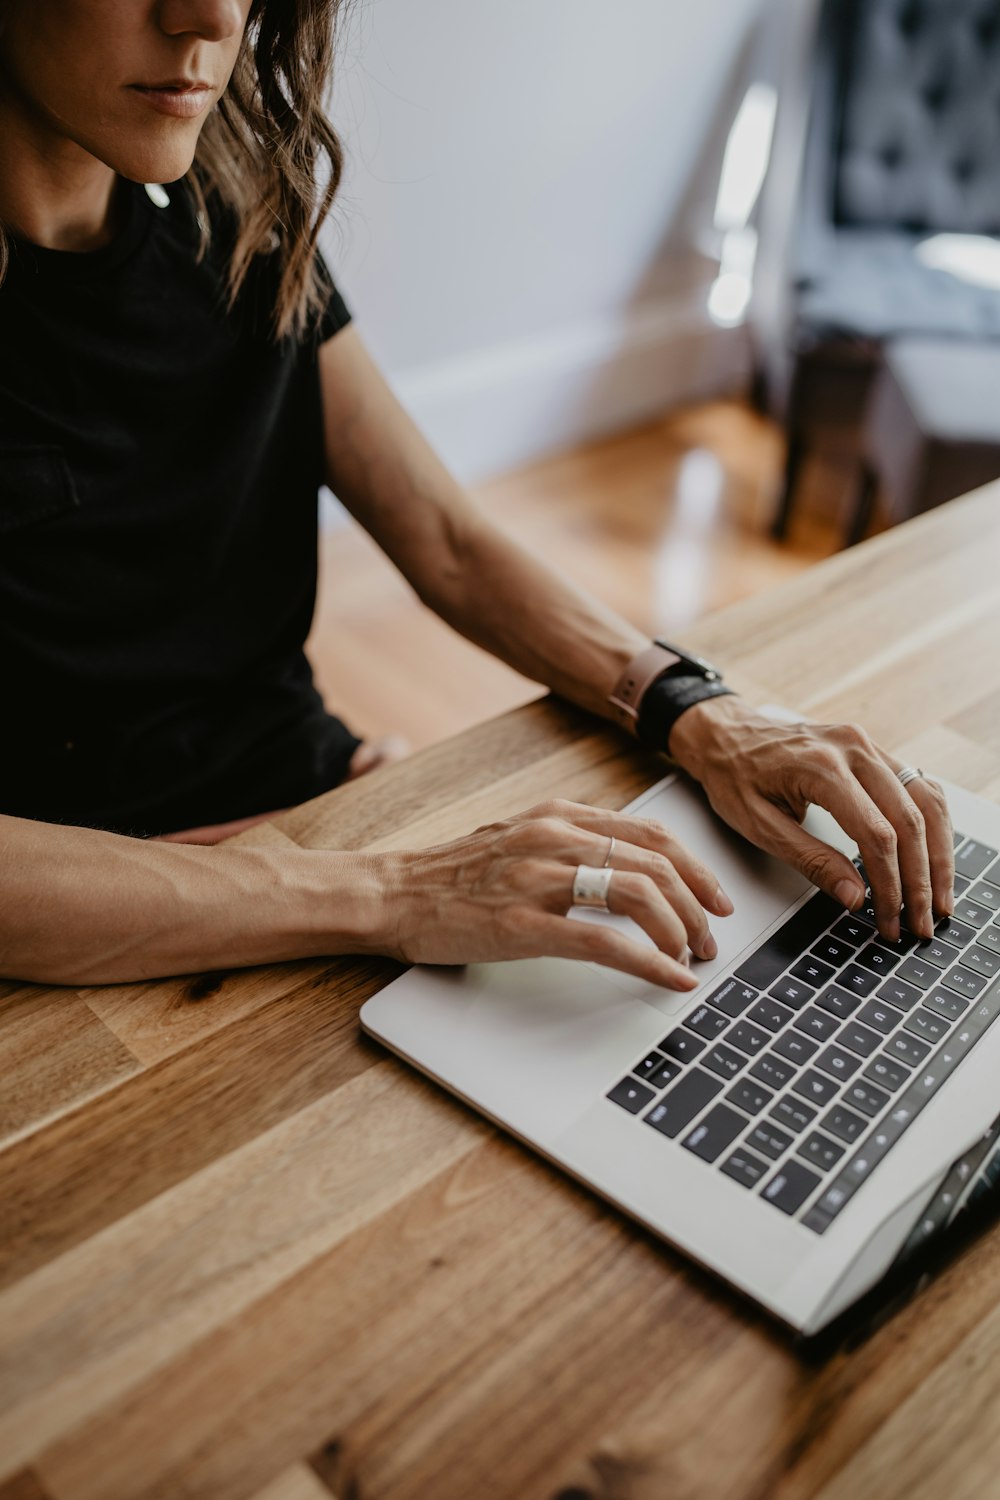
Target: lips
[[182, 97]]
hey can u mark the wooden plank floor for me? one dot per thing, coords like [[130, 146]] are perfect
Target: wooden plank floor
[[665, 523]]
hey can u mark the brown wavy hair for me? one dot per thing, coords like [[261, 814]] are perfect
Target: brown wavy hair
[[269, 154]]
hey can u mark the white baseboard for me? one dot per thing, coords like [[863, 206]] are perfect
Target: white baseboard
[[505, 406]]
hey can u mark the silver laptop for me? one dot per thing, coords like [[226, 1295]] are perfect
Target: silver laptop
[[821, 1105]]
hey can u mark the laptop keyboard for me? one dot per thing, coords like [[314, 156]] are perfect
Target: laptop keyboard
[[796, 1076]]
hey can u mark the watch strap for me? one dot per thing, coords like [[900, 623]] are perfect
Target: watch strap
[[666, 700], [640, 673]]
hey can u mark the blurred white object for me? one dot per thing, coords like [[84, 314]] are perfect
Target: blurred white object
[[974, 258], [744, 167]]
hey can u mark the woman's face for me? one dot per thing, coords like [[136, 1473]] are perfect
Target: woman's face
[[130, 82]]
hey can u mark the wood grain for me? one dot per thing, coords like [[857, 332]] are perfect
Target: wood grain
[[265, 1261], [54, 1054]]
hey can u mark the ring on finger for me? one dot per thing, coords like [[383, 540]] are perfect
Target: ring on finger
[[611, 850], [906, 774], [591, 886]]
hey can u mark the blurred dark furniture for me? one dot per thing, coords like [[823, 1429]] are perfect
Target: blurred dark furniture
[[902, 141], [932, 428]]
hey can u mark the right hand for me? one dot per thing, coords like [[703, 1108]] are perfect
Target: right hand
[[504, 892]]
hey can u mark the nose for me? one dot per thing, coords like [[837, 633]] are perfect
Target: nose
[[212, 20]]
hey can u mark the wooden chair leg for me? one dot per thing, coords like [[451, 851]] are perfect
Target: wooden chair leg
[[864, 504], [794, 455]]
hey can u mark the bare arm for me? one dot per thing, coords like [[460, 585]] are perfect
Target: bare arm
[[482, 583], [759, 777], [78, 906]]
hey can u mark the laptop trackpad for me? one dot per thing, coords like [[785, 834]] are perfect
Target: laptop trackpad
[[761, 888]]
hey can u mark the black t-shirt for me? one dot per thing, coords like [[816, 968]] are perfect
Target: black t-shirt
[[159, 465]]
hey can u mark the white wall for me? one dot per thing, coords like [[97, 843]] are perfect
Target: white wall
[[514, 232]]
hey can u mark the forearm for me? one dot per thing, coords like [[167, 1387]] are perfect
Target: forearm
[[78, 906], [529, 615]]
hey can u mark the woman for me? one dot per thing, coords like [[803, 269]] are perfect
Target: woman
[[178, 374]]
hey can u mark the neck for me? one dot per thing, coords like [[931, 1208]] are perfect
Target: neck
[[52, 191]]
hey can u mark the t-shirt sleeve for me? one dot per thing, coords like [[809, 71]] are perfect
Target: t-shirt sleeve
[[334, 314]]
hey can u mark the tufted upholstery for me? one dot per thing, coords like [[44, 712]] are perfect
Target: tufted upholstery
[[919, 140]]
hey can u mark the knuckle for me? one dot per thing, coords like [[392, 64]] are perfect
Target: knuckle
[[851, 734], [814, 865], [913, 818], [882, 836], [661, 870]]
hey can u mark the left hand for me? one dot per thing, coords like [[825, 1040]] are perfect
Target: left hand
[[761, 777]]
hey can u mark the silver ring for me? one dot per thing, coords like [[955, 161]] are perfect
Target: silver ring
[[611, 850], [908, 774], [591, 886]]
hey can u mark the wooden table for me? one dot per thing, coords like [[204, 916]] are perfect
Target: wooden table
[[246, 1252]]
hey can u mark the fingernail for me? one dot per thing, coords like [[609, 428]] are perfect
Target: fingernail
[[849, 894], [710, 948], [723, 905]]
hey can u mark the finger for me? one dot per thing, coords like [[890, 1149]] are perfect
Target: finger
[[781, 835], [600, 944], [678, 895], [912, 862], [649, 833], [933, 804], [637, 896]]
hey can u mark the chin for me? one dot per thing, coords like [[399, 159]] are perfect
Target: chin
[[154, 160]]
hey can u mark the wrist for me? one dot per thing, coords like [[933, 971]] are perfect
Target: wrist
[[332, 902], [669, 702], [698, 733]]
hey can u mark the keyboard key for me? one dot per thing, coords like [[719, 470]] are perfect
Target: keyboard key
[[926, 1024], [793, 1113], [813, 971], [860, 981], [844, 1123], [837, 1062], [744, 1167], [732, 998], [879, 960], [665, 1073], [683, 1045], [680, 1104], [631, 1095], [817, 1023], [724, 1061], [982, 961], [989, 938], [750, 1039], [839, 1002], [972, 859], [967, 911], [945, 1004], [814, 1088], [984, 894], [772, 1070], [833, 950], [866, 1097], [890, 1075], [965, 981], [820, 1151], [859, 1038], [712, 1134], [936, 953], [792, 991], [790, 1186], [958, 934], [769, 1139], [706, 1021], [961, 884], [917, 970], [649, 1064], [796, 1047], [904, 996], [907, 1049], [957, 838], [883, 1017], [783, 947], [852, 930], [748, 1095], [817, 1219], [770, 1013]]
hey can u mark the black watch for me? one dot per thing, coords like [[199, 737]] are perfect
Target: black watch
[[688, 681]]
